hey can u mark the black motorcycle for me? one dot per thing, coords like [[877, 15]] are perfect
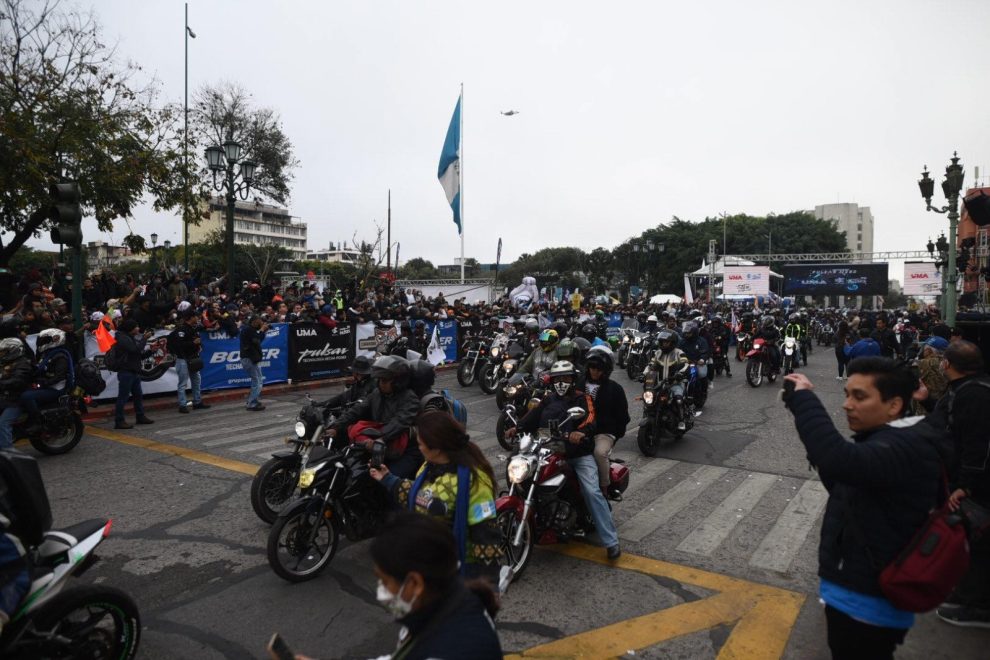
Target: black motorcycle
[[501, 366], [339, 496], [660, 411], [522, 393], [276, 481], [476, 349], [60, 427], [642, 348]]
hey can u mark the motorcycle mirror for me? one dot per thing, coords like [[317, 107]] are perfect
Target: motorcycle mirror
[[575, 412]]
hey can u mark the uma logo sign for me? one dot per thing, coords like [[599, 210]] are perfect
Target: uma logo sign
[[305, 332], [919, 276]]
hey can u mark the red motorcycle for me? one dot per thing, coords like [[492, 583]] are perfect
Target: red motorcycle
[[759, 364], [544, 504]]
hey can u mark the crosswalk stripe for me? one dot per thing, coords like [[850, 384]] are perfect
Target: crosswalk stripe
[[273, 432], [646, 473], [710, 532], [256, 445], [781, 545], [259, 424], [224, 416], [670, 503]]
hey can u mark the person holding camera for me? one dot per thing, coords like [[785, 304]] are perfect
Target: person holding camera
[[252, 334], [132, 345], [881, 488], [184, 343]]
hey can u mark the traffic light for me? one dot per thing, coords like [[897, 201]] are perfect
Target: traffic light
[[66, 213]]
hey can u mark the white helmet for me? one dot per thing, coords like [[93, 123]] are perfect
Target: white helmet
[[50, 338], [652, 318], [558, 371]]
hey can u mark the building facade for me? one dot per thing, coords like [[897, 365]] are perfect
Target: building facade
[[336, 254], [101, 255], [976, 240], [855, 220], [254, 224]]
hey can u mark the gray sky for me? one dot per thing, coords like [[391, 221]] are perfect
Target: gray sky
[[630, 112]]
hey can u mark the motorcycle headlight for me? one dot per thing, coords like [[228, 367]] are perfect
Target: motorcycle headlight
[[511, 390], [509, 367], [307, 476], [648, 398], [520, 469], [300, 430], [495, 351], [638, 340]]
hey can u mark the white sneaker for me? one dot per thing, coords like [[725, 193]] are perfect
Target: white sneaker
[[838, 377], [681, 426]]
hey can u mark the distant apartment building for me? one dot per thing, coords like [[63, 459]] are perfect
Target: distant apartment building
[[100, 255], [254, 224], [855, 220], [340, 253]]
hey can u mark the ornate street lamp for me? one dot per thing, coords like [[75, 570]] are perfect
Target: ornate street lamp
[[224, 160], [951, 187], [154, 257]]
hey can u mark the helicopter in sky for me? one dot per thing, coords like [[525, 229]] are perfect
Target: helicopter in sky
[[509, 113]]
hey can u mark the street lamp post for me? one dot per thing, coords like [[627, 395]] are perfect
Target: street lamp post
[[154, 256], [951, 187], [185, 147], [166, 244], [223, 160]]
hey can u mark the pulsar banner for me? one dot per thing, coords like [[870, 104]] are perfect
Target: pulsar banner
[[318, 352], [222, 359], [836, 280], [746, 281], [921, 278]]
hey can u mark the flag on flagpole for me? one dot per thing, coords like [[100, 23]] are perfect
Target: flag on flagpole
[[434, 353], [688, 296], [449, 171]]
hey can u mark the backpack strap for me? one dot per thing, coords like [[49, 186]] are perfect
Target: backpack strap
[[461, 513]]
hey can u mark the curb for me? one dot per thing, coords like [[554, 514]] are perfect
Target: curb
[[164, 400]]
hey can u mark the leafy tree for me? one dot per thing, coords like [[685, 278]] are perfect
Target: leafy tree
[[68, 110], [27, 259], [554, 266], [418, 268]]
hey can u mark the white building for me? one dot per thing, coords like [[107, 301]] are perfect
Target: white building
[[855, 220], [100, 255], [336, 253], [254, 224]]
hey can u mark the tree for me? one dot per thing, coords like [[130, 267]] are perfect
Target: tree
[[418, 268], [554, 266], [27, 259], [68, 111], [265, 258]]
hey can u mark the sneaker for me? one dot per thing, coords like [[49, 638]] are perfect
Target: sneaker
[[184, 409], [967, 617], [681, 426], [728, 375], [201, 406], [256, 407], [144, 420], [613, 553], [123, 425]]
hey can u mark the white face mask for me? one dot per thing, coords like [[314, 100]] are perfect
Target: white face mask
[[397, 607]]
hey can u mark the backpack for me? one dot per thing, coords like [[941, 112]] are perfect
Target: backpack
[[89, 378], [444, 401], [113, 360], [457, 409]]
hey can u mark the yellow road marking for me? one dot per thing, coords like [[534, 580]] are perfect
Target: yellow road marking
[[763, 615], [174, 450]]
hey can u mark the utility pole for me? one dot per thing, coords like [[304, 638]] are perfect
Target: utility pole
[[388, 235]]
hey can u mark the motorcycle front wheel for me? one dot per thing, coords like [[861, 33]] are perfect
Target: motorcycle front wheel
[[514, 556], [296, 551], [489, 379], [500, 399], [63, 442], [754, 372], [466, 374], [503, 424], [91, 621], [631, 370], [648, 439], [273, 486]]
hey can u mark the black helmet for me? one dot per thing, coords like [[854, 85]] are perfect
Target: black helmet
[[421, 376], [420, 325], [391, 367], [581, 348], [588, 332], [601, 358], [794, 317], [532, 325], [717, 319], [767, 322], [641, 317], [666, 340], [690, 330], [361, 365]]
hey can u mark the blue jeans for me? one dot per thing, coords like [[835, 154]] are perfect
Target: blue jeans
[[182, 367], [31, 400], [587, 473], [128, 386], [254, 371], [7, 417]]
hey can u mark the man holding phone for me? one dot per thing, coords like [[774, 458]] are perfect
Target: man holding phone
[[252, 333]]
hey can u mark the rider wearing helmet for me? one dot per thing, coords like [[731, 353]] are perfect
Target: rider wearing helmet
[[360, 386], [419, 341], [391, 408], [589, 332], [611, 407], [579, 447], [601, 324], [771, 335], [652, 324], [15, 377], [55, 374], [796, 330], [543, 357], [670, 363], [721, 333]]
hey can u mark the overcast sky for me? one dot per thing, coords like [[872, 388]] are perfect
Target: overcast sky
[[631, 112]]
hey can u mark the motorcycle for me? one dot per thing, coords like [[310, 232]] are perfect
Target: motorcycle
[[720, 362], [60, 428], [339, 496], [625, 344], [523, 392], [758, 364], [276, 480], [91, 621], [544, 504], [789, 354], [826, 335], [513, 359], [660, 414], [639, 354], [494, 370], [744, 344], [475, 357]]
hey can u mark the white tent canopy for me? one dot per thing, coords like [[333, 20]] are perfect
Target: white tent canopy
[[718, 268], [665, 298]]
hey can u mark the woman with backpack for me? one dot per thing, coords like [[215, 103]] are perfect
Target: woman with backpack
[[457, 484]]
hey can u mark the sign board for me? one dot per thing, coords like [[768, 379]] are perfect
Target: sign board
[[319, 352], [836, 280], [746, 281], [921, 278]]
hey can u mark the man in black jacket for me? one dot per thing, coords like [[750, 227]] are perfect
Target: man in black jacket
[[184, 343], [611, 408], [965, 411], [131, 344], [881, 488], [883, 335], [360, 387], [252, 334]]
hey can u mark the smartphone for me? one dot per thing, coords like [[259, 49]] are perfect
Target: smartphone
[[278, 649], [787, 390]]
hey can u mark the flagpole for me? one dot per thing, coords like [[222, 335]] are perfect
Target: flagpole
[[460, 177]]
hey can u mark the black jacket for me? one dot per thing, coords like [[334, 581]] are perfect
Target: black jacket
[[57, 369], [611, 408], [696, 349], [968, 432], [554, 407], [397, 411], [454, 627], [888, 342], [352, 393], [881, 488], [251, 344], [15, 377], [182, 342], [132, 350]]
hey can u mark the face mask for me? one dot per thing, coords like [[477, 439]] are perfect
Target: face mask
[[397, 607], [562, 387]]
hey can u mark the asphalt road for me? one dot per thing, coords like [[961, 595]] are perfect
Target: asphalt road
[[719, 534]]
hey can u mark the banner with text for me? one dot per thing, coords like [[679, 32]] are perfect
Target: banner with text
[[319, 352], [836, 280], [921, 278], [222, 359], [746, 281], [157, 369], [448, 338]]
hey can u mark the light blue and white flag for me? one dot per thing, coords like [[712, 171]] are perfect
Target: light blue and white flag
[[449, 171]]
